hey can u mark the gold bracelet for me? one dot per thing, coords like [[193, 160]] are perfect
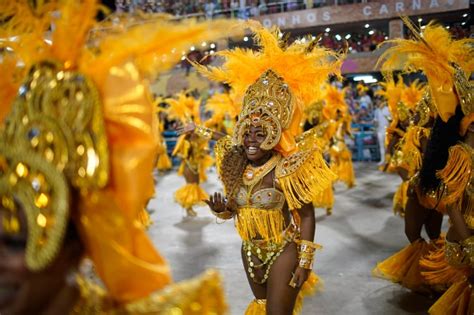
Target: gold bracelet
[[309, 244], [224, 215], [306, 250], [305, 263], [203, 132]]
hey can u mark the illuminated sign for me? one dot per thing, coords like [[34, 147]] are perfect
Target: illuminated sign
[[360, 12]]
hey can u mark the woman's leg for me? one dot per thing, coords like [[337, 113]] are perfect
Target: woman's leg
[[258, 290], [191, 177], [415, 216], [280, 296], [433, 224]]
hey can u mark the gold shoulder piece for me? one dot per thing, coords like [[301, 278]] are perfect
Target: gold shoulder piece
[[29, 184], [302, 176], [457, 173], [58, 114]]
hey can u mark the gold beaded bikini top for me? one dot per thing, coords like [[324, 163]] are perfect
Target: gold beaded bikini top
[[266, 198]]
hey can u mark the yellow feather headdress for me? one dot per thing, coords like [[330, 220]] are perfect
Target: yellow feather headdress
[[392, 92], [83, 120], [334, 99], [434, 52], [184, 108], [222, 104], [411, 95], [296, 71]]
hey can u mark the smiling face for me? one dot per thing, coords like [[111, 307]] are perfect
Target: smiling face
[[253, 139]]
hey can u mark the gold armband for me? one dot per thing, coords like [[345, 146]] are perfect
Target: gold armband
[[306, 250], [204, 132]]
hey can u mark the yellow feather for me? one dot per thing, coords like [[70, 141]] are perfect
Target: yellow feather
[[155, 45], [223, 104], [184, 108], [411, 95], [304, 71], [392, 92], [77, 17], [433, 51]]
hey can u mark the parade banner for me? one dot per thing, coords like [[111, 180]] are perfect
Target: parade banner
[[349, 13]]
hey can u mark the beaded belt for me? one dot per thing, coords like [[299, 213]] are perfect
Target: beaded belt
[[267, 252]]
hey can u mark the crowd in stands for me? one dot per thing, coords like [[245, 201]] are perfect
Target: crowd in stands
[[354, 42], [229, 8]]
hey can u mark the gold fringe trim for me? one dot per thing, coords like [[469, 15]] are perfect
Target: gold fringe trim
[[256, 307], [254, 222], [310, 177], [325, 199], [456, 174], [400, 199], [411, 148], [313, 284]]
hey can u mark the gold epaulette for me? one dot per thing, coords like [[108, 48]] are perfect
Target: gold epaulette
[[302, 176], [457, 173]]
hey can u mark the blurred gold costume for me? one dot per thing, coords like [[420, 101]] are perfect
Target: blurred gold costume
[[340, 155], [193, 151], [79, 144], [225, 110], [447, 63], [319, 136], [163, 162]]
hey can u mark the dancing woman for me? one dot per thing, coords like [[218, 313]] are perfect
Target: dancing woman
[[193, 151], [269, 185], [443, 183]]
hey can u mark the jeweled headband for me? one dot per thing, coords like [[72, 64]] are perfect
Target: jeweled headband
[[267, 103]]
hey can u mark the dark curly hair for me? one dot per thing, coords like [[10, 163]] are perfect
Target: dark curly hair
[[233, 165], [443, 136]]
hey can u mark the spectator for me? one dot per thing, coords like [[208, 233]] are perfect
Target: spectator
[[381, 122], [364, 116], [365, 100]]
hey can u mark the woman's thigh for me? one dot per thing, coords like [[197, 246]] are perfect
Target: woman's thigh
[[258, 290], [281, 296]]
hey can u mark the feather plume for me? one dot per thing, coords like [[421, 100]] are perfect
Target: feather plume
[[434, 52], [411, 95], [222, 104], [303, 70], [392, 92], [184, 108], [155, 45], [431, 51]]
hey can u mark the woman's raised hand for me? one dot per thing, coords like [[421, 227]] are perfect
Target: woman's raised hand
[[186, 129], [217, 203]]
